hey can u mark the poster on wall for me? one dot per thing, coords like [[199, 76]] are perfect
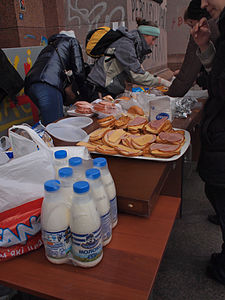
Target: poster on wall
[[22, 5]]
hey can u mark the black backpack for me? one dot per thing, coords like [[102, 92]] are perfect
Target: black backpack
[[98, 40]]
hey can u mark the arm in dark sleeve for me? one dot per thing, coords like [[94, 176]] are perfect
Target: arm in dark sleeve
[[77, 66], [188, 73]]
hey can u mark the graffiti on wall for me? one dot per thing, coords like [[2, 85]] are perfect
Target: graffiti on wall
[[92, 16]]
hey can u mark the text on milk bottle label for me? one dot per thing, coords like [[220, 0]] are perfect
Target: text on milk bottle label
[[87, 247], [113, 208], [57, 244], [106, 226]]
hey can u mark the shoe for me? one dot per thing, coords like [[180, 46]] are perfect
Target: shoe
[[216, 273], [214, 219]]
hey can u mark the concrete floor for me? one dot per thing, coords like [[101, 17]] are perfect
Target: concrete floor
[[182, 272]]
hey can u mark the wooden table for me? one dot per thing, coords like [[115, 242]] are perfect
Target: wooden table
[[132, 259], [127, 271]]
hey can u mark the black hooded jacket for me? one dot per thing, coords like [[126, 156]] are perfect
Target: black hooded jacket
[[10, 81], [48, 67], [212, 158]]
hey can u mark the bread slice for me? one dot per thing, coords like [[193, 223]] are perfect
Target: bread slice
[[91, 147], [114, 137], [106, 150], [126, 151], [122, 122], [98, 133], [142, 141], [107, 122], [157, 126]]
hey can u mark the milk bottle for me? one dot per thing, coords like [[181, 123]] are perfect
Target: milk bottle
[[102, 203], [85, 227], [55, 218], [60, 160], [66, 179], [76, 164], [101, 164]]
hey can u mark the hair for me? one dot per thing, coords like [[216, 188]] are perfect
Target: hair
[[141, 21], [194, 11]]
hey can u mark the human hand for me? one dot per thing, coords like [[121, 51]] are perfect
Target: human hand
[[70, 96], [176, 72], [201, 34], [165, 82]]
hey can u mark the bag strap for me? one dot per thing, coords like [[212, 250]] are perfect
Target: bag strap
[[62, 63], [35, 137]]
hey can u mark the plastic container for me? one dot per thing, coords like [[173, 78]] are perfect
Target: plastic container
[[66, 179], [101, 164], [55, 217], [102, 203], [60, 160], [76, 163], [85, 227]]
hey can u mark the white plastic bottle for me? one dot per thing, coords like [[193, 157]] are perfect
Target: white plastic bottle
[[76, 164], [55, 218], [60, 160], [102, 203], [101, 164], [85, 227], [65, 176]]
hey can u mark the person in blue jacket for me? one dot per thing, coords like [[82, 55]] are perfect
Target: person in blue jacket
[[45, 82]]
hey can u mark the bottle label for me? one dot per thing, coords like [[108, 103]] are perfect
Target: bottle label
[[57, 244], [87, 247], [113, 209], [106, 226]]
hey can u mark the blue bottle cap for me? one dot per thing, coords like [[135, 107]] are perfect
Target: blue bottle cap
[[81, 187], [65, 172], [92, 173], [59, 154], [52, 185], [75, 161], [99, 162]]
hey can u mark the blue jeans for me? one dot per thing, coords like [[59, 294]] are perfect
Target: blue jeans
[[48, 99]]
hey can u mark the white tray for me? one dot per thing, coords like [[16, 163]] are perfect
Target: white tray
[[175, 157]]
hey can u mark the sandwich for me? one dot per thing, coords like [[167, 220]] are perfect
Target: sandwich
[[157, 126], [136, 110], [142, 141], [106, 150], [91, 147], [127, 151], [98, 134], [164, 150], [137, 124], [170, 138], [113, 137], [107, 122], [122, 122]]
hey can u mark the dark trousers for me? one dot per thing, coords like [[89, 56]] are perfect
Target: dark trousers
[[90, 92], [216, 196]]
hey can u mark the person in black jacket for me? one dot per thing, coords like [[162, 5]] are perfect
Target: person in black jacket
[[211, 165], [45, 82], [192, 69], [10, 80]]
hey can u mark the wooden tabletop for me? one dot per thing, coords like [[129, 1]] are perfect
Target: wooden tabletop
[[127, 270]]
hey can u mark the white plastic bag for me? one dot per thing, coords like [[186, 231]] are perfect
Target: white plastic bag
[[21, 191]]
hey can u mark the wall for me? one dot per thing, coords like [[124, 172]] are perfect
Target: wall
[[31, 22], [177, 32]]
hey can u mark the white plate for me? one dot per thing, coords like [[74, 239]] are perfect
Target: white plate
[[175, 157], [73, 113], [80, 122], [66, 132]]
